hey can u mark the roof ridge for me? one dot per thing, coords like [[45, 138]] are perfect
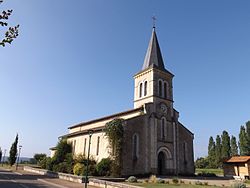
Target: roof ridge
[[106, 117]]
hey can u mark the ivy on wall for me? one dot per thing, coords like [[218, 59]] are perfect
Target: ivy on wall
[[114, 132]]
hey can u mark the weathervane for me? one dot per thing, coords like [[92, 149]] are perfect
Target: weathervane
[[154, 20]]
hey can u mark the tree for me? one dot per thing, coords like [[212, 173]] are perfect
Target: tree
[[62, 149], [202, 162], [13, 151], [218, 151], [39, 157], [234, 147], [243, 142], [12, 32], [211, 153], [248, 136], [1, 154], [225, 145]]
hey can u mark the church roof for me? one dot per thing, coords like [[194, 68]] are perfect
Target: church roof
[[153, 56], [237, 159], [108, 117]]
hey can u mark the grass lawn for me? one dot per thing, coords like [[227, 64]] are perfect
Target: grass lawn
[[161, 185], [216, 171]]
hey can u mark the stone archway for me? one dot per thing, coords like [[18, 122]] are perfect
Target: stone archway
[[164, 161]]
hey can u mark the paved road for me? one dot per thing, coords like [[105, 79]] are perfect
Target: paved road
[[10, 179]]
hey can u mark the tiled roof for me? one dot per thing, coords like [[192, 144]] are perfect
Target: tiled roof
[[238, 159]]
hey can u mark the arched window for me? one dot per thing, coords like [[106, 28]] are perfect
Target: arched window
[[145, 88], [140, 90], [84, 150], [135, 142], [98, 143], [165, 90], [160, 88], [74, 147], [163, 128]]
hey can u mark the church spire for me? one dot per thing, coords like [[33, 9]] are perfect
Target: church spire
[[153, 56]]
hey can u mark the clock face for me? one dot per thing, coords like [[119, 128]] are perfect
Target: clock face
[[164, 108]]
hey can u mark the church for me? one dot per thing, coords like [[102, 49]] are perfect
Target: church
[[155, 141]]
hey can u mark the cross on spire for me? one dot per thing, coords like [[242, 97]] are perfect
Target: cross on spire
[[154, 21]]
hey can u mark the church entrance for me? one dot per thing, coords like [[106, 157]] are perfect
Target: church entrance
[[165, 162], [161, 163]]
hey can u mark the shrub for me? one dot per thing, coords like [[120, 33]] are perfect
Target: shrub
[[247, 181], [80, 159], [132, 179], [103, 167], [239, 185], [206, 183], [153, 179], [166, 181], [181, 181], [160, 180], [46, 163], [92, 169], [78, 169], [62, 167], [175, 180], [198, 183], [43, 162], [145, 181]]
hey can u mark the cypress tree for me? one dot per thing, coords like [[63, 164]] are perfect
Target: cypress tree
[[243, 143], [234, 147], [13, 152], [225, 145], [218, 151], [1, 154], [248, 136], [211, 153]]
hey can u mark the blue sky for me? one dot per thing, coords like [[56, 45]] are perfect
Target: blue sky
[[75, 61]]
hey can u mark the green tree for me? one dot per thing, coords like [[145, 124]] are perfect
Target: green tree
[[62, 149], [248, 136], [211, 153], [225, 145], [39, 157], [234, 147], [218, 152], [202, 162], [13, 151], [243, 142], [12, 32]]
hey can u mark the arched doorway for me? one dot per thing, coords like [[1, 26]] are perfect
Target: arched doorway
[[165, 162], [161, 163]]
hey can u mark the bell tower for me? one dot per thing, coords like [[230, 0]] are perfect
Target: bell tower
[[153, 84]]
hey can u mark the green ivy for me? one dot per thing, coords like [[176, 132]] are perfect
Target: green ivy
[[114, 132]]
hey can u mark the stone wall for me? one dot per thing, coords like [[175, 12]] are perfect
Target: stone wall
[[135, 165], [68, 177], [109, 184], [185, 154]]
